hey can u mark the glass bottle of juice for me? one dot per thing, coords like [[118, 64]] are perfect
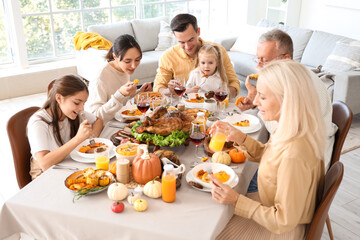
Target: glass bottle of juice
[[200, 119], [168, 184]]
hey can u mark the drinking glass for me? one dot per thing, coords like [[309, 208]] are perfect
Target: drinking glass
[[102, 158], [197, 135], [142, 103], [180, 88], [218, 138], [221, 94]]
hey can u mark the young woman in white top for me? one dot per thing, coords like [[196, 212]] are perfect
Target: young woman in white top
[[210, 73], [55, 130], [112, 89]]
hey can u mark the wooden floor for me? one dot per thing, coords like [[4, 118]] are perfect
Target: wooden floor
[[344, 212]]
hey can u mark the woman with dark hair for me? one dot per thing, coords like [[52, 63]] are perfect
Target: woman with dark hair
[[113, 88], [55, 130]]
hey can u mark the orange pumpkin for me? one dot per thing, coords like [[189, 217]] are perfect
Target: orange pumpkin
[[237, 156], [146, 166], [113, 168]]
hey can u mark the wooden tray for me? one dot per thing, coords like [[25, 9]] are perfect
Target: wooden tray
[[210, 152]]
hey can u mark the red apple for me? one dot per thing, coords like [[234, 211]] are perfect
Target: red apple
[[117, 207]]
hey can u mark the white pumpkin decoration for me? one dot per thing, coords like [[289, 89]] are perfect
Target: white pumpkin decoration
[[117, 191], [133, 197], [153, 189], [221, 157]]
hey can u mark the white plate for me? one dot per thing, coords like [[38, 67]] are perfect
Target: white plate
[[76, 157], [189, 177], [255, 124], [118, 116], [87, 142], [215, 167], [191, 104]]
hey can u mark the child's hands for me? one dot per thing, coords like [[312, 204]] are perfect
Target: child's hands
[[128, 89], [84, 131], [194, 89]]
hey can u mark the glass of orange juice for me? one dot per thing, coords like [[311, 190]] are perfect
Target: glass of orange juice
[[218, 138], [102, 158]]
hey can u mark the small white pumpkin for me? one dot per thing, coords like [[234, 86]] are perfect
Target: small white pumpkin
[[117, 191], [221, 157], [153, 189], [133, 197]]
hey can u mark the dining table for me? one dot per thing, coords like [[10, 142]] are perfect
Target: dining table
[[44, 209]]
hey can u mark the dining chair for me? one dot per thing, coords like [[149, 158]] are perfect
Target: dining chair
[[20, 147], [332, 182], [342, 116]]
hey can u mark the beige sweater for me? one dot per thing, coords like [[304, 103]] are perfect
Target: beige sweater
[[105, 99], [288, 183]]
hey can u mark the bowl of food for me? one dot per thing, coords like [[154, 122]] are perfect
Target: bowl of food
[[86, 149], [127, 151], [194, 100], [222, 172]]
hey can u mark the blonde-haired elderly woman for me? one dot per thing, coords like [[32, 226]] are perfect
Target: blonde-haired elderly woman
[[291, 166]]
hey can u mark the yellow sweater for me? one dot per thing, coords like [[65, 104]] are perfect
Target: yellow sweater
[[85, 40]]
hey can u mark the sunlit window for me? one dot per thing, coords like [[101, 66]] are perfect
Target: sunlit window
[[5, 48]]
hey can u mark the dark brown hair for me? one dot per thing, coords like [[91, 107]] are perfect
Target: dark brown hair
[[283, 41], [121, 45], [181, 21], [67, 85]]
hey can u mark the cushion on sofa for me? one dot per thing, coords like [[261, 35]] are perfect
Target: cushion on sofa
[[166, 37], [344, 57], [147, 66], [244, 63], [146, 32], [319, 47], [248, 39], [113, 30]]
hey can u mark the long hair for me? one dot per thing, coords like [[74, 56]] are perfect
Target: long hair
[[300, 114], [67, 85], [121, 45], [215, 51]]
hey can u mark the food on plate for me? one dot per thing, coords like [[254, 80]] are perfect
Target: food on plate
[[210, 94], [117, 207], [195, 184], [253, 76], [127, 149], [88, 179], [167, 129], [237, 156], [223, 176], [132, 112], [243, 123], [146, 166], [140, 205], [192, 112], [129, 140], [155, 98], [197, 99], [153, 188], [117, 191], [136, 81], [90, 148], [240, 99], [221, 157], [158, 112]]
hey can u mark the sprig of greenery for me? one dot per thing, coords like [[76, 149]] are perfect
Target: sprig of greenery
[[84, 191]]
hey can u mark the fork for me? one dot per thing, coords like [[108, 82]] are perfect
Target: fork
[[83, 118], [58, 166]]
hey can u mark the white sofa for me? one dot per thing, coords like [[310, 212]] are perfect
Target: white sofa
[[146, 31], [311, 48]]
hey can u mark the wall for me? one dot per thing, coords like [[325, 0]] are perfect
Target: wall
[[315, 14], [33, 80]]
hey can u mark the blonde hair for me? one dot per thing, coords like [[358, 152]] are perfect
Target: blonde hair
[[300, 114], [215, 51]]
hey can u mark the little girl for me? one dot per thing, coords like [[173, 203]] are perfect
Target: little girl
[[209, 74], [55, 130]]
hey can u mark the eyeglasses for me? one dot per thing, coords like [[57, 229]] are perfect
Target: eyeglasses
[[261, 60]]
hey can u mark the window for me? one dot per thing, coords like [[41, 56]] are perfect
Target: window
[[44, 29], [5, 47]]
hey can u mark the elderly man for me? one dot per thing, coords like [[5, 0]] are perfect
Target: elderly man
[[178, 61], [274, 45]]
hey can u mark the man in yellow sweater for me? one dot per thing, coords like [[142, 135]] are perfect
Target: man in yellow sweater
[[177, 62]]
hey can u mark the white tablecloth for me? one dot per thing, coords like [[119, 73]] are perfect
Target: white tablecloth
[[44, 208]]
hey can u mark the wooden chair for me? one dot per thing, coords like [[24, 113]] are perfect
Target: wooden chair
[[332, 182], [342, 116], [16, 129]]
